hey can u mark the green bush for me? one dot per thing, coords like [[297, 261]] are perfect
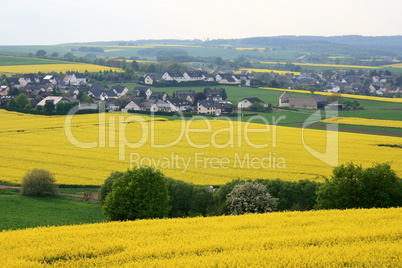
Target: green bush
[[351, 186], [107, 185], [141, 193], [187, 199], [38, 182]]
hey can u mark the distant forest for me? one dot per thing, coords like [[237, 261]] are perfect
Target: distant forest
[[379, 45]]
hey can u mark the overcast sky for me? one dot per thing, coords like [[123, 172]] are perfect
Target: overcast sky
[[47, 22]]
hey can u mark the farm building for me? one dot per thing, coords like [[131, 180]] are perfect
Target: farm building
[[314, 102]]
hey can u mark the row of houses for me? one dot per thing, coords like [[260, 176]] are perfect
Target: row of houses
[[191, 76], [75, 79], [207, 107]]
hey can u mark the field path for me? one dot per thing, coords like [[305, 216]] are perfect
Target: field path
[[355, 130]]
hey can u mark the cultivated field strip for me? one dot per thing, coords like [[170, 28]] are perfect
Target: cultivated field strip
[[364, 122], [333, 238], [31, 141]]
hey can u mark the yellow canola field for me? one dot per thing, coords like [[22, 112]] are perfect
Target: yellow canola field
[[209, 152], [398, 65], [364, 122], [333, 238], [360, 97], [111, 50], [46, 68], [251, 70]]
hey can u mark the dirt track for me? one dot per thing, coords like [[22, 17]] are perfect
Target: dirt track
[[356, 130]]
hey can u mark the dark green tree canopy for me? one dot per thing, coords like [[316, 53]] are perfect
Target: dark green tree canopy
[[107, 185], [352, 186], [21, 100], [141, 193], [40, 53]]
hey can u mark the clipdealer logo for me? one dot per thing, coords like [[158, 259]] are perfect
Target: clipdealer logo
[[239, 134]]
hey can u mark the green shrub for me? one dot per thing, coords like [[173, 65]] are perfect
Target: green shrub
[[38, 182], [141, 193], [351, 186]]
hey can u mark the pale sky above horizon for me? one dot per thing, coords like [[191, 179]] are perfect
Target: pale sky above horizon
[[49, 22]]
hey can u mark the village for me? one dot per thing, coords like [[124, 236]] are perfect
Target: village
[[54, 90]]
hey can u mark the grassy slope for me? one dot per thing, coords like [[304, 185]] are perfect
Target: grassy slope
[[8, 61], [18, 212]]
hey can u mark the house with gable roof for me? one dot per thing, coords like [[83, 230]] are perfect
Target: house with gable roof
[[247, 102], [173, 76], [178, 105], [151, 78], [207, 107], [145, 92], [193, 76], [120, 90], [75, 79]]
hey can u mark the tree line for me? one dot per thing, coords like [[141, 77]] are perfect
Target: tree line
[[129, 195], [145, 192]]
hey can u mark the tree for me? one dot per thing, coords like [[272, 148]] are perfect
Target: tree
[[56, 91], [107, 185], [141, 193], [251, 197], [134, 65], [224, 94], [69, 56], [351, 186], [220, 196], [54, 54], [40, 53], [38, 182], [257, 107], [180, 194], [11, 103], [21, 100], [327, 73], [199, 96], [201, 201], [300, 195], [13, 91], [49, 107], [219, 61]]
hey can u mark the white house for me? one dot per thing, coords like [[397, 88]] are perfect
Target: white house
[[173, 76], [193, 76], [162, 106], [185, 95], [135, 105], [4, 90], [28, 78], [159, 96], [50, 79], [119, 90], [75, 79], [178, 105], [145, 91], [247, 102], [54, 99], [151, 78]]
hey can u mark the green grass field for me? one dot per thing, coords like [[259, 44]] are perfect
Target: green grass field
[[8, 61], [17, 212]]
